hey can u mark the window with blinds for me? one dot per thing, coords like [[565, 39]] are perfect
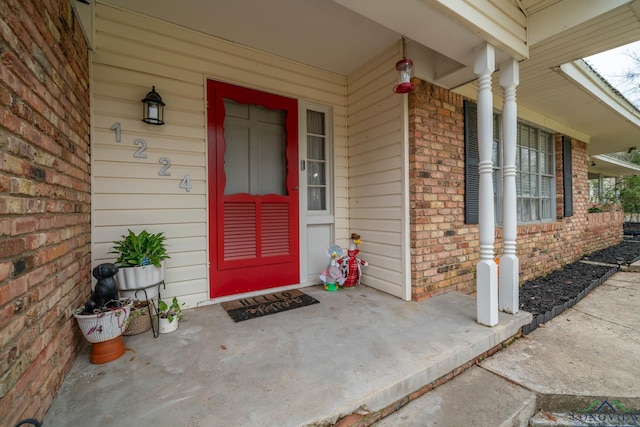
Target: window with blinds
[[535, 175]]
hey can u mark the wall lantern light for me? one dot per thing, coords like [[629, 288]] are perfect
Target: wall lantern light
[[405, 67], [153, 108]]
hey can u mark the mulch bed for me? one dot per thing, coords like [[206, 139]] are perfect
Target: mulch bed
[[547, 296]]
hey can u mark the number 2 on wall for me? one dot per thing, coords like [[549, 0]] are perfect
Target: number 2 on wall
[[140, 152], [165, 169]]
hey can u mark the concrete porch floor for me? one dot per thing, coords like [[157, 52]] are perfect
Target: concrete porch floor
[[309, 366]]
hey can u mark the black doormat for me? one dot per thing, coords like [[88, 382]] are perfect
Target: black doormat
[[263, 305]]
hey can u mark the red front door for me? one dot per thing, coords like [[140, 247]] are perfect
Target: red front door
[[253, 189]]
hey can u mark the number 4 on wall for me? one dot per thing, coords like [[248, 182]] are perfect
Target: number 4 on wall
[[186, 183]]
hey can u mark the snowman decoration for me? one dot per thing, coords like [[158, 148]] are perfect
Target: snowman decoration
[[350, 264]]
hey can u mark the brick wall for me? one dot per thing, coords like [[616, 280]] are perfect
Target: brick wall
[[445, 250], [44, 201]]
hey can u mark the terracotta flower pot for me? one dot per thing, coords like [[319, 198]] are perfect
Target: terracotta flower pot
[[106, 351], [104, 331]]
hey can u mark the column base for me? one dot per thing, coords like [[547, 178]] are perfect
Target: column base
[[487, 292]]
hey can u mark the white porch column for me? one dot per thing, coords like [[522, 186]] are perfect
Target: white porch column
[[486, 269], [509, 264]]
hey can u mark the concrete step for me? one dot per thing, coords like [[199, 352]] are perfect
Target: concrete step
[[635, 267], [474, 398]]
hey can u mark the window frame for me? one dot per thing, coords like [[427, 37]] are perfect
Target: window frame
[[534, 197], [471, 151], [328, 160]]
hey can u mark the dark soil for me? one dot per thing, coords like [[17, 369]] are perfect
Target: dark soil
[[632, 229], [541, 295]]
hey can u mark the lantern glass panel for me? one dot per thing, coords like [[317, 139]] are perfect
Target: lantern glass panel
[[153, 110]]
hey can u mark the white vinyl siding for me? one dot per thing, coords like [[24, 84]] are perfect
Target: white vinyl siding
[[376, 172], [131, 53]]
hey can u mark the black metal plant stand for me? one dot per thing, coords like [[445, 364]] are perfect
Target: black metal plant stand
[[156, 329]]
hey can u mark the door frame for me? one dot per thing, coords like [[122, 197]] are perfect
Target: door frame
[[318, 219]]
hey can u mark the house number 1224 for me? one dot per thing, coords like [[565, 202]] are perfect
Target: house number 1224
[[185, 184]]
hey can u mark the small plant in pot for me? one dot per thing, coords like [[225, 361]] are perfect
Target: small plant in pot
[[140, 261], [169, 315]]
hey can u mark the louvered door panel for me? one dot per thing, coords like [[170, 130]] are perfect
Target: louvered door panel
[[240, 226], [275, 229]]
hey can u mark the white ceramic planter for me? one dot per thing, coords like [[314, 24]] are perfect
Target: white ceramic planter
[[166, 326], [102, 326], [131, 279]]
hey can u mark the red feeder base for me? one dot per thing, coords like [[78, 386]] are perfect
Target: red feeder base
[[106, 351]]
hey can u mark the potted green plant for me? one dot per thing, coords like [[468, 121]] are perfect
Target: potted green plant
[[169, 315], [140, 261], [103, 329]]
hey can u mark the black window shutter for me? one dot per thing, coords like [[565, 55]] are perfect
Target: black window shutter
[[472, 159], [567, 175]]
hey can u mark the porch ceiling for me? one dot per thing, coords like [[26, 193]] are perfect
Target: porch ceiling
[[545, 89], [323, 33], [609, 166], [329, 36], [319, 33]]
